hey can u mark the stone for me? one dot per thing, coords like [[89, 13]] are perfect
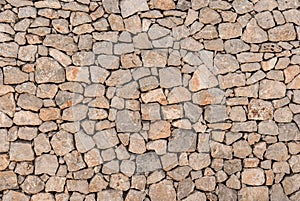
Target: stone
[[284, 32], [49, 70], [215, 113], [147, 162], [62, 143], [277, 193], [170, 77], [118, 78], [172, 112], [260, 110], [61, 26], [47, 164], [163, 191], [29, 102], [229, 30], [208, 97], [268, 127], [182, 140], [225, 63], [277, 152], [74, 161], [80, 186], [288, 132], [9, 49], [270, 89], [265, 20], [23, 118], [219, 150], [129, 7], [209, 16], [106, 138], [27, 53], [78, 74], [119, 182], [14, 195], [13, 75], [199, 161], [291, 184], [111, 6], [179, 94], [253, 176], [83, 58], [154, 58], [83, 142], [159, 129], [206, 183], [8, 180], [7, 104], [60, 42], [241, 149], [137, 144], [231, 80], [202, 79], [234, 46], [283, 115], [254, 194], [110, 194], [128, 121], [254, 34], [32, 185]]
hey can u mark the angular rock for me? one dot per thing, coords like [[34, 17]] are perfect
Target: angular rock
[[270, 89], [254, 194], [128, 121], [23, 118], [163, 191], [182, 141], [215, 113], [284, 32], [253, 176], [106, 139], [260, 110], [229, 30], [254, 34], [208, 97], [32, 185], [129, 7], [225, 63], [8, 180], [147, 162], [48, 70], [60, 42], [9, 49], [62, 143], [202, 79], [47, 164], [170, 77], [277, 152], [13, 75]]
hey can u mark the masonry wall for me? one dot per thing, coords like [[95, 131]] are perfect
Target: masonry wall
[[156, 100]]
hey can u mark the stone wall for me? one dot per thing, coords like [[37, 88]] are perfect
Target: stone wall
[[157, 100]]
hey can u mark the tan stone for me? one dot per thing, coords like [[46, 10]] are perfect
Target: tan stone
[[253, 176], [159, 129]]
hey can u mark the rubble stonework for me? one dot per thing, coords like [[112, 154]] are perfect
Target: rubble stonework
[[155, 100]]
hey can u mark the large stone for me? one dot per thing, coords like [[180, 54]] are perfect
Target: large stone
[[260, 110], [47, 164], [49, 70], [254, 34], [206, 183], [277, 152], [170, 77], [215, 113], [9, 49], [182, 141], [219, 150], [60, 42], [129, 7], [159, 129], [75, 113], [291, 184], [29, 102], [13, 75], [270, 89], [21, 152], [229, 30], [288, 132], [163, 191], [225, 63], [147, 162], [106, 139], [199, 161], [254, 194], [7, 104], [208, 97], [154, 58], [15, 196], [284, 32], [62, 143], [5, 121], [202, 79], [253, 176], [23, 118], [128, 121], [8, 180]]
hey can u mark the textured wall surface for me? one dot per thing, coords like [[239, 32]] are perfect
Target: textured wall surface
[[156, 100]]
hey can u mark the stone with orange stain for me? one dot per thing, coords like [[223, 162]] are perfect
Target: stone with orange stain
[[202, 79], [208, 97], [253, 176], [156, 95], [163, 4], [47, 114], [78, 74], [49, 70], [159, 129], [260, 110], [291, 72]]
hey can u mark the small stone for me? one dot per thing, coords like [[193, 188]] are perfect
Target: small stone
[[32, 185], [8, 180], [29, 102], [291, 184], [283, 115], [119, 77], [74, 161], [48, 114], [284, 32], [260, 110], [26, 118], [225, 63], [270, 89], [163, 5], [163, 191], [83, 58], [159, 129], [155, 95], [61, 26], [119, 182], [253, 176], [208, 97], [147, 162], [277, 152], [27, 53], [265, 20], [111, 6], [199, 161], [231, 80], [137, 144], [234, 46], [150, 111], [219, 150], [78, 74]]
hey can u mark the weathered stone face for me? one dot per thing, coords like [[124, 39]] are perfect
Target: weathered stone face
[[149, 100]]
